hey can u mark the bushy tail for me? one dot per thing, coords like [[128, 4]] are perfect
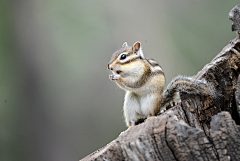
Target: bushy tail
[[187, 85]]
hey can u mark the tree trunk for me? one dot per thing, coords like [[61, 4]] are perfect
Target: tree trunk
[[197, 128]]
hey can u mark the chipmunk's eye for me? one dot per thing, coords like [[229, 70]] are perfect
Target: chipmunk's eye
[[123, 56]]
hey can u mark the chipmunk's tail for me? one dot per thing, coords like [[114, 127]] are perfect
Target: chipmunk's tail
[[189, 86]]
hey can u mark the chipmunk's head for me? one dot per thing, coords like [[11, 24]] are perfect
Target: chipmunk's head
[[127, 60]]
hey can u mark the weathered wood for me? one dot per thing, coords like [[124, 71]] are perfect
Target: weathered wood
[[222, 72], [237, 99], [234, 15], [226, 137], [196, 128]]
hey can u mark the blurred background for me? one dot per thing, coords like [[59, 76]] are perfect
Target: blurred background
[[56, 101]]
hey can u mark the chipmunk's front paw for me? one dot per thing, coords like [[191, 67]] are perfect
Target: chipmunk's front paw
[[114, 77]]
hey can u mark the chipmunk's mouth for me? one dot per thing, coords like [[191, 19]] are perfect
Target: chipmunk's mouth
[[118, 71]]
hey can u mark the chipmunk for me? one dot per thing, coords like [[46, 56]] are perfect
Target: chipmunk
[[144, 80]]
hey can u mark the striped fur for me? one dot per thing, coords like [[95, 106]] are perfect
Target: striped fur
[[142, 79], [189, 86]]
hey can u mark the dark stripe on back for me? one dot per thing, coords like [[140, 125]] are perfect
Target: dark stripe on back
[[150, 59], [152, 62], [157, 72]]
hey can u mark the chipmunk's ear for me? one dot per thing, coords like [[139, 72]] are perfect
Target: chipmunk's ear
[[137, 49], [125, 45]]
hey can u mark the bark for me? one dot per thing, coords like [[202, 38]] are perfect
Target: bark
[[197, 128]]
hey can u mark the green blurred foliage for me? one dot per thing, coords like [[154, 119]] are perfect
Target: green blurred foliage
[[56, 101]]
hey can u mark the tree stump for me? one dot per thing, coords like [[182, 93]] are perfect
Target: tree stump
[[198, 127]]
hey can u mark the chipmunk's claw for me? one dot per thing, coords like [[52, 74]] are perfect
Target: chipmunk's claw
[[114, 77]]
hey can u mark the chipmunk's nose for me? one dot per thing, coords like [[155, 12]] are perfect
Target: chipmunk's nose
[[109, 68]]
